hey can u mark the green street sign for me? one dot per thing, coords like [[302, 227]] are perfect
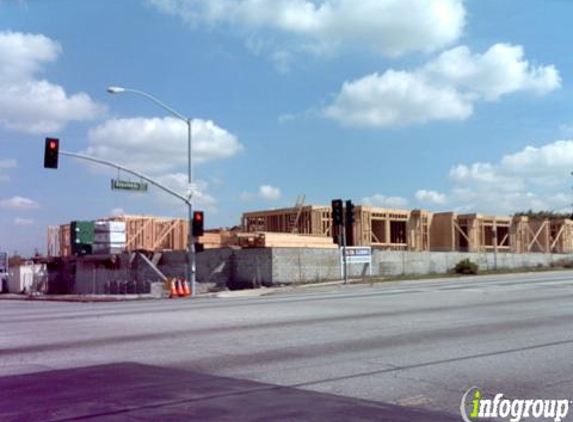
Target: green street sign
[[117, 184]]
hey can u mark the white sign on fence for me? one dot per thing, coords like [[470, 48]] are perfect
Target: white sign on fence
[[357, 255]]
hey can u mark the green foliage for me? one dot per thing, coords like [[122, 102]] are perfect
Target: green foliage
[[465, 266], [551, 215]]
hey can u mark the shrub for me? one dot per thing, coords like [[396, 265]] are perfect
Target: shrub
[[465, 266], [562, 263]]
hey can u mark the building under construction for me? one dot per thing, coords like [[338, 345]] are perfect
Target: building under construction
[[381, 228], [142, 233], [419, 230], [377, 227]]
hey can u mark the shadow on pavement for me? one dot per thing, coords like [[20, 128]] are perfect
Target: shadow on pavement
[[135, 392]]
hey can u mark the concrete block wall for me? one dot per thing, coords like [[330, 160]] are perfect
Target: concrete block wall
[[252, 266], [304, 265], [248, 267], [397, 263], [214, 267]]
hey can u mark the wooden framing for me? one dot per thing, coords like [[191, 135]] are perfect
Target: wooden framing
[[470, 233], [64, 241], [147, 233], [531, 235], [561, 236], [153, 233], [381, 228], [308, 220]]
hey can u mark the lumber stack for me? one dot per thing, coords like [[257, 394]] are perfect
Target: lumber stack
[[282, 240], [215, 239]]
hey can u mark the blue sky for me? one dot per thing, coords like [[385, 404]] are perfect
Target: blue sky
[[433, 104]]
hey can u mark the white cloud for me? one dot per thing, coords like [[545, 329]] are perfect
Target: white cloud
[[18, 221], [33, 105], [269, 192], [265, 192], [19, 203], [154, 145], [179, 183], [536, 178], [8, 163], [431, 197], [396, 99], [23, 55], [446, 88], [379, 200], [547, 159], [388, 27]]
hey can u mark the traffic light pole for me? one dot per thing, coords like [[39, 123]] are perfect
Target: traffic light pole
[[160, 186], [191, 250], [344, 265], [187, 200], [127, 170]]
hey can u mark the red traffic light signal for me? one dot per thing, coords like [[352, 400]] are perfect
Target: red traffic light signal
[[51, 153], [198, 226]]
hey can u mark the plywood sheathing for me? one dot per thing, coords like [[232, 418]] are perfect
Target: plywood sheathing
[[470, 233], [443, 232]]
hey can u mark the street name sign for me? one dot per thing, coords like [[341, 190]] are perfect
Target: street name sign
[[117, 184]]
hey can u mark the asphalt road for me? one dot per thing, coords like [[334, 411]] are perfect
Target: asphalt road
[[404, 351]]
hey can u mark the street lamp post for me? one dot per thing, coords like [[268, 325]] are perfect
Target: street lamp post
[[191, 270]]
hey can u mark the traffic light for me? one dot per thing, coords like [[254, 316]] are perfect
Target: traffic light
[[51, 153], [198, 220], [349, 223], [337, 218], [349, 213]]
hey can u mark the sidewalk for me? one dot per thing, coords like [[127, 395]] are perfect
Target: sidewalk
[[75, 298], [262, 291]]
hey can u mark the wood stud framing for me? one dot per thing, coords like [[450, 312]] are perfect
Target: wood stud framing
[[420, 230], [381, 228]]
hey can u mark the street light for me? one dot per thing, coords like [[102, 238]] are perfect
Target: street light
[[191, 249]]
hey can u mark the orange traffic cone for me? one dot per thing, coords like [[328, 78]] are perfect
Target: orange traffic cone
[[186, 289], [174, 293], [180, 290]]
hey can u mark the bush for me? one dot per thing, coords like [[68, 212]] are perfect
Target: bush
[[465, 266], [562, 263]]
